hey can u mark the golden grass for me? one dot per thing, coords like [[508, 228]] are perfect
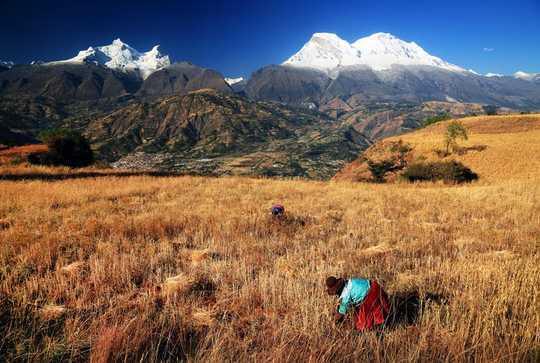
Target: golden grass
[[188, 268], [73, 268], [14, 166], [52, 312], [513, 146], [177, 284]]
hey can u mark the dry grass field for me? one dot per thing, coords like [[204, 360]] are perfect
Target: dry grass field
[[141, 268]]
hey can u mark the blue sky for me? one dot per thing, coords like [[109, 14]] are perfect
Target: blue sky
[[238, 37]]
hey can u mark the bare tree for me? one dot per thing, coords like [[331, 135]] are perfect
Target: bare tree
[[454, 131]]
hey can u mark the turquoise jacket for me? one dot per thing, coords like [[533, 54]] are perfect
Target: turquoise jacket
[[354, 292]]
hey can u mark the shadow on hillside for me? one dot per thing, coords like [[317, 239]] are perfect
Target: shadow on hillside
[[407, 307], [83, 175]]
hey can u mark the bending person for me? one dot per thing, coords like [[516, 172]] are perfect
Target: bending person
[[370, 302]]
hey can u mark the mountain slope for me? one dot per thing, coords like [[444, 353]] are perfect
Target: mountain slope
[[360, 84], [298, 86], [499, 148], [209, 132]]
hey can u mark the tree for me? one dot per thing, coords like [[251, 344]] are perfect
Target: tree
[[67, 147], [454, 131]]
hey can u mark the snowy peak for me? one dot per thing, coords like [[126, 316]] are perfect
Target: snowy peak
[[120, 56], [382, 50], [231, 81], [153, 60], [327, 51], [324, 51], [6, 64], [527, 76]]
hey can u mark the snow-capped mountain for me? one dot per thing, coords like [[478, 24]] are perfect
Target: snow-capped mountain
[[491, 75], [121, 56], [527, 76], [325, 52], [233, 81], [383, 68], [6, 64], [379, 51]]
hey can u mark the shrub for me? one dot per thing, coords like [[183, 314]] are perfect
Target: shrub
[[465, 150], [440, 117], [39, 158], [401, 151], [380, 169], [66, 147], [395, 162], [448, 171]]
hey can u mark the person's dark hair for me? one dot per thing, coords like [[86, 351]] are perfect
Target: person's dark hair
[[331, 281], [334, 285]]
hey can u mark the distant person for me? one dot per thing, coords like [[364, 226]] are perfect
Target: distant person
[[370, 302], [278, 210]]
